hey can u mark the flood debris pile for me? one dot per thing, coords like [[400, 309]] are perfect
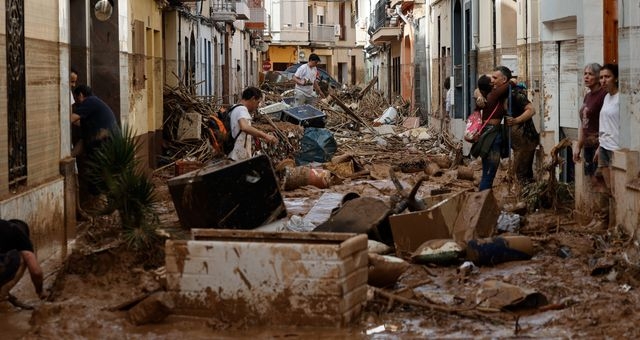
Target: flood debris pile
[[187, 139], [352, 130]]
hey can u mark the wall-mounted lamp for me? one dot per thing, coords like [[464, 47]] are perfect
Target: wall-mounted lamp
[[103, 10]]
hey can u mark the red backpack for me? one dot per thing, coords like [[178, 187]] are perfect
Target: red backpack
[[219, 126]]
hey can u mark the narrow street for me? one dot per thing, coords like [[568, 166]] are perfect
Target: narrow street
[[348, 205], [580, 282]]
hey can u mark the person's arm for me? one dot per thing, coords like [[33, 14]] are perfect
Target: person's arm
[[75, 118], [481, 101], [529, 111], [299, 80], [297, 77], [35, 271], [580, 144], [247, 128], [316, 86]]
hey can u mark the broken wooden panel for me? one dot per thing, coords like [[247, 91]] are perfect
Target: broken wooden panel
[[294, 279], [190, 126], [231, 195]]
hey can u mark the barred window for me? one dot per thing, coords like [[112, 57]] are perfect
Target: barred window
[[16, 91]]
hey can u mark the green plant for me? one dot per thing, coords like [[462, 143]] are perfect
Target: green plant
[[115, 171]]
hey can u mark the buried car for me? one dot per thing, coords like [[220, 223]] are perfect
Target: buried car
[[325, 77], [285, 77]]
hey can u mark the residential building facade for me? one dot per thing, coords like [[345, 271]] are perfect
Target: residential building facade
[[327, 28], [546, 44]]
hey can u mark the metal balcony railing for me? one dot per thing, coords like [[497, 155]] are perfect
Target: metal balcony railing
[[223, 6], [379, 16]]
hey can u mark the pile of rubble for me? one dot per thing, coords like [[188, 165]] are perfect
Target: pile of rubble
[[352, 116]]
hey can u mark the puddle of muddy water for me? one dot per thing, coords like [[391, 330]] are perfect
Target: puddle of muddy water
[[14, 324]]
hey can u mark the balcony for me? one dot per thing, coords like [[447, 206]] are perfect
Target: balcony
[[256, 20], [323, 33], [385, 24], [228, 10]]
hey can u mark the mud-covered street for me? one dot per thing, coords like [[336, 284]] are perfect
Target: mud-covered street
[[586, 275]]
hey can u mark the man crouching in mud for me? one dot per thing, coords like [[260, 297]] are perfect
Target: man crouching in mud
[[16, 255]]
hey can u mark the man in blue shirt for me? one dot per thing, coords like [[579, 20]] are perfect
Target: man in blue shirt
[[97, 124]]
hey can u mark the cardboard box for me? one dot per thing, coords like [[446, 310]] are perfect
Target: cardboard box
[[412, 229], [462, 216]]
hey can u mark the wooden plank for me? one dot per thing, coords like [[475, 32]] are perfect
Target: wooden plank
[[367, 88]]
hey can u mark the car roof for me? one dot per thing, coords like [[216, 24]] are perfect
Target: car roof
[[323, 73]]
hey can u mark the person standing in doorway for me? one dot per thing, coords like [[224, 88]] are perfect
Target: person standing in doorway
[[589, 115], [307, 88], [448, 102], [609, 123], [97, 125]]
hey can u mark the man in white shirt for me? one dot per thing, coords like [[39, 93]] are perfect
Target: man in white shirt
[[241, 125], [306, 79]]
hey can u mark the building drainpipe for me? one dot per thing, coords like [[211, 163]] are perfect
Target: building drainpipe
[[179, 46], [493, 22], [428, 66], [473, 54]]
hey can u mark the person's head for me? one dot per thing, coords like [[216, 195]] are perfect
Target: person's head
[[73, 78], [81, 92], [314, 60], [591, 76], [484, 84], [251, 98], [500, 75], [447, 83], [609, 78]]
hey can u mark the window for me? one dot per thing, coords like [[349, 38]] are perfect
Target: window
[[16, 93], [395, 64]]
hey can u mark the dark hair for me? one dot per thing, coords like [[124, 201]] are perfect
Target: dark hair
[[611, 67], [505, 71], [73, 70], [21, 225], [314, 57], [447, 83], [251, 92], [84, 89], [484, 84]]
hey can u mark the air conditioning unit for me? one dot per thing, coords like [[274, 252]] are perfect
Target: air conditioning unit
[[337, 30]]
